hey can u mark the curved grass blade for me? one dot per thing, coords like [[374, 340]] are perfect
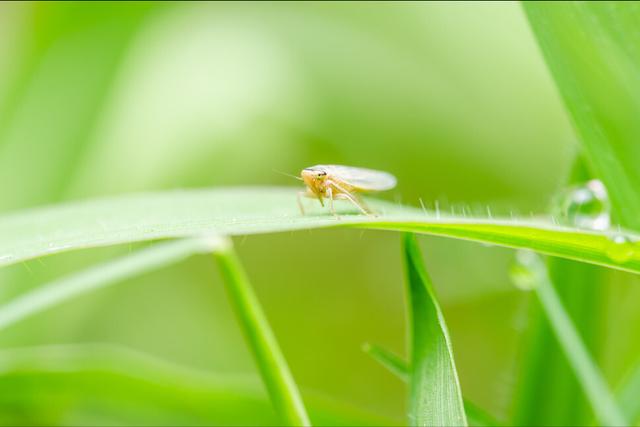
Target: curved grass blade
[[271, 362], [581, 288], [592, 51], [545, 370], [397, 366], [100, 276], [48, 79], [392, 362], [585, 369], [435, 396], [478, 417], [239, 211]]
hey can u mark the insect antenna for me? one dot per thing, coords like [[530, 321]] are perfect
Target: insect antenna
[[287, 174]]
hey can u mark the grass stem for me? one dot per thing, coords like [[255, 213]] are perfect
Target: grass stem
[[271, 362], [585, 369]]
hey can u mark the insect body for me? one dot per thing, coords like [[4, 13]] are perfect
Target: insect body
[[343, 182]]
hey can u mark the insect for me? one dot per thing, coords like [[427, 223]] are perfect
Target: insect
[[343, 182]]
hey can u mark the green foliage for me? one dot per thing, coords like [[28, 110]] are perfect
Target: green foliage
[[392, 362], [452, 98], [239, 211], [100, 276], [587, 47], [273, 367], [581, 288], [574, 349], [591, 49], [435, 396]]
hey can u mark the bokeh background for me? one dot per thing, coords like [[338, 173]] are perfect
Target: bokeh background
[[453, 98]]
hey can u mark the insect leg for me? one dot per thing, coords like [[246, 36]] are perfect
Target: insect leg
[[363, 204], [352, 198], [330, 194], [300, 194]]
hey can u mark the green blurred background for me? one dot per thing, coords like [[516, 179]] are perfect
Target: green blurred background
[[453, 98]]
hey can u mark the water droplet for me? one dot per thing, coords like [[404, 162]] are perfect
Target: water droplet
[[523, 270], [620, 249], [585, 206]]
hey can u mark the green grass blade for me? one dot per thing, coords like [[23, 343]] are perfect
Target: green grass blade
[[628, 396], [477, 417], [48, 79], [394, 364], [435, 396], [239, 211], [100, 276], [545, 370], [271, 362], [592, 51], [585, 369]]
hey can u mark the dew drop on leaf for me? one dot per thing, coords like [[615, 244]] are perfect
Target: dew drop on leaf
[[522, 271], [620, 249], [585, 206]]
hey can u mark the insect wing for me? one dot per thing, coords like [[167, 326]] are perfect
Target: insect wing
[[361, 178]]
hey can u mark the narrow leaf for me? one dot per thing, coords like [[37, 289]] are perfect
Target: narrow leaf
[[262, 341], [392, 362], [581, 288], [435, 396], [397, 366], [585, 369], [592, 51], [478, 417], [100, 276], [240, 211]]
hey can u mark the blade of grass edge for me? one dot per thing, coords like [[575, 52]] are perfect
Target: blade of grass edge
[[435, 398], [478, 417], [585, 369], [271, 362], [545, 370], [241, 211], [394, 364], [99, 276], [590, 50]]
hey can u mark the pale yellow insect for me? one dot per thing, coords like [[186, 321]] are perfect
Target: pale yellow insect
[[343, 182]]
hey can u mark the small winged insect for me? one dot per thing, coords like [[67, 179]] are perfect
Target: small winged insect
[[343, 183]]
